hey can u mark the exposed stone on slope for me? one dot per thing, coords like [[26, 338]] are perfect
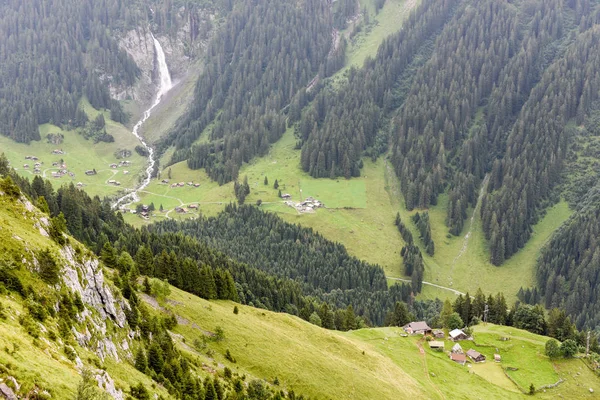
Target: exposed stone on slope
[[6, 392], [92, 289], [178, 48], [108, 384], [105, 348], [82, 338]]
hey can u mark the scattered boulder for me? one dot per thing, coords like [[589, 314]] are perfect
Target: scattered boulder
[[6, 392], [108, 384]]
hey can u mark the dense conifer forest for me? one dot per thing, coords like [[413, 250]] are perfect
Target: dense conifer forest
[[496, 98], [343, 123], [54, 52], [265, 54]]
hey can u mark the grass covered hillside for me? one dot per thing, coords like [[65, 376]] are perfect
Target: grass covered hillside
[[38, 309], [80, 155], [376, 363], [53, 326]]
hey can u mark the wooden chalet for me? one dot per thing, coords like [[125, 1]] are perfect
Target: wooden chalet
[[458, 358], [475, 356], [436, 345], [457, 334], [417, 328], [457, 349]]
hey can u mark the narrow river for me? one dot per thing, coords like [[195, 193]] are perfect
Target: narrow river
[[165, 85]]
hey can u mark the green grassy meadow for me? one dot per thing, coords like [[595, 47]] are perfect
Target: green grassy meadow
[[360, 214], [374, 363], [386, 22], [358, 211], [81, 155]]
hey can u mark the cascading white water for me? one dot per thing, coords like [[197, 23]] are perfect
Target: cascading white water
[[165, 85]]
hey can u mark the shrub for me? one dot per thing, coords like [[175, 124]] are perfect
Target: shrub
[[553, 348], [30, 326], [568, 348], [70, 353], [36, 310], [219, 334], [11, 281], [9, 187], [229, 357], [49, 269]]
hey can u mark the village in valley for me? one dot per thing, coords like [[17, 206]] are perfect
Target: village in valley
[[309, 205], [437, 340]]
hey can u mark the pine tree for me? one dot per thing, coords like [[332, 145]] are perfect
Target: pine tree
[[109, 255], [141, 363], [155, 358]]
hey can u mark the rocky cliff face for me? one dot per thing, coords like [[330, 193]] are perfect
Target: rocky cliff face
[[180, 50], [87, 279], [99, 327]]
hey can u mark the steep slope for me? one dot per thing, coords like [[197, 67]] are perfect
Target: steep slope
[[369, 363], [66, 328], [60, 314]]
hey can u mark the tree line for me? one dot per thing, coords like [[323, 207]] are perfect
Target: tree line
[[275, 271], [52, 53], [264, 54], [343, 123], [522, 182]]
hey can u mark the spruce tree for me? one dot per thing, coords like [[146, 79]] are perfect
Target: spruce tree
[[141, 363]]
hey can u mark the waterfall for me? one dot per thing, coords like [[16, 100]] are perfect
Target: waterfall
[[164, 86], [165, 77]]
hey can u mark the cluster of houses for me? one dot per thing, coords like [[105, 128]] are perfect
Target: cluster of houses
[[123, 163], [62, 172], [308, 205], [179, 184], [36, 166], [436, 343], [185, 210]]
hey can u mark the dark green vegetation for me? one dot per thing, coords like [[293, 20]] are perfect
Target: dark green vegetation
[[54, 52], [343, 124], [320, 267], [265, 54], [421, 220], [411, 256], [567, 272], [275, 265]]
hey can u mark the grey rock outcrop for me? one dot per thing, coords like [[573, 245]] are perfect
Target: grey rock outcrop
[[108, 384], [91, 286], [107, 348], [6, 392]]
